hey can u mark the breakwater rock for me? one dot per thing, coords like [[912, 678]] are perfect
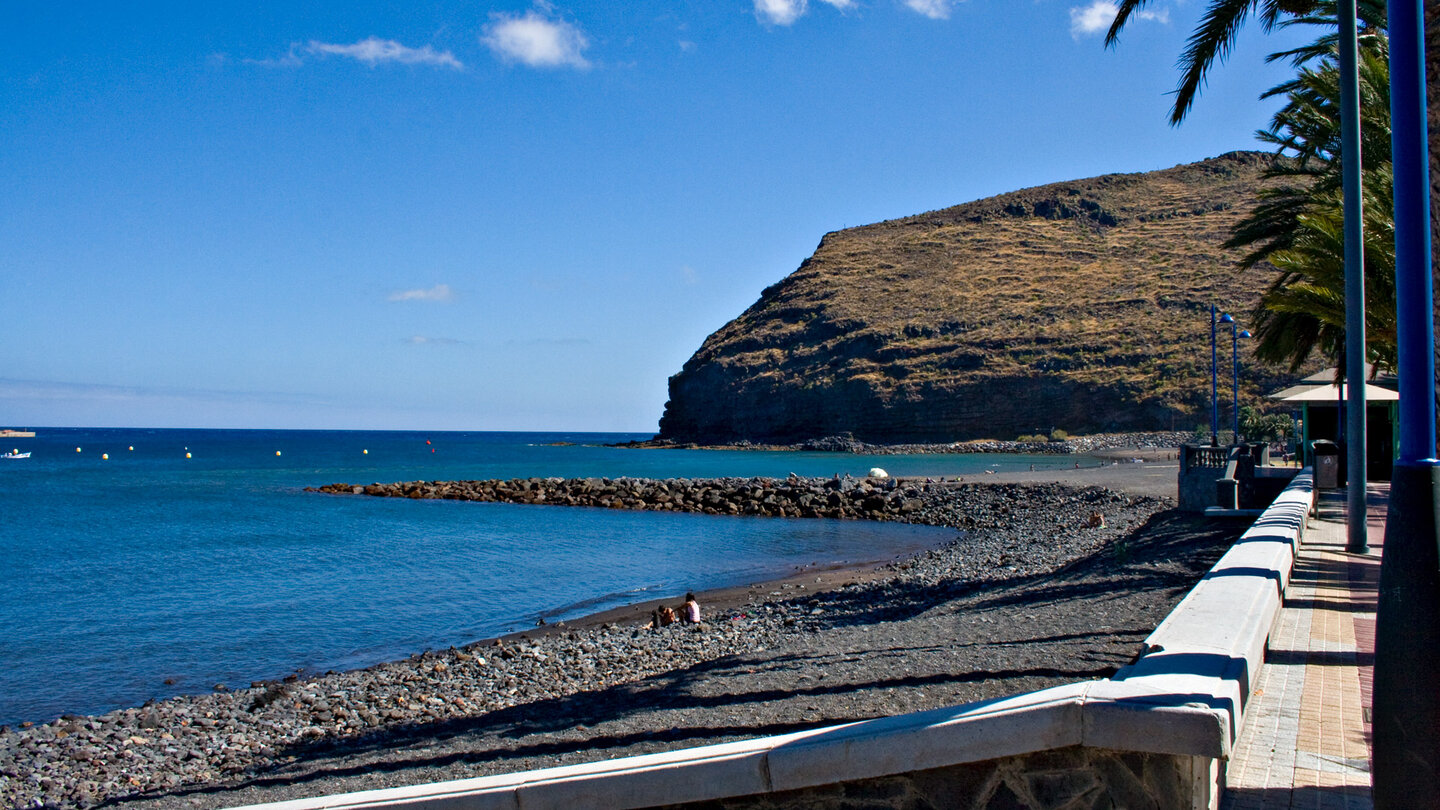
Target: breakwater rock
[[1046, 509], [1026, 510], [841, 498]]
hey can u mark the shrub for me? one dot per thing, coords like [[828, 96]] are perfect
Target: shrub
[[1264, 427], [1058, 435]]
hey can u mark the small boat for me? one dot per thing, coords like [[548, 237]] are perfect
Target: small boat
[[16, 455]]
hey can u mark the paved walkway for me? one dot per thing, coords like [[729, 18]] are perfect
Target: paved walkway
[[1306, 739]]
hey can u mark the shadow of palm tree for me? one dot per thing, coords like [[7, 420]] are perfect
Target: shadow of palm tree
[[1170, 551]]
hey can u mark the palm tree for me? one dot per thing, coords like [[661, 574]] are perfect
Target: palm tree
[[1214, 36], [1306, 136], [1303, 311]]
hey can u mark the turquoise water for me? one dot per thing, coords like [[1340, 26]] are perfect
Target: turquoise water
[[126, 572]]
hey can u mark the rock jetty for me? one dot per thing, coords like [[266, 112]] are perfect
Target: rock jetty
[[842, 498]]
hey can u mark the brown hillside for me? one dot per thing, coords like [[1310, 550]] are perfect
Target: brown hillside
[[1082, 306]]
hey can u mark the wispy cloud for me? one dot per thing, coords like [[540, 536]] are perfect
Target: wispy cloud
[[779, 12], [290, 59], [785, 12], [422, 340], [1098, 16], [440, 292], [536, 39], [374, 51], [934, 9]]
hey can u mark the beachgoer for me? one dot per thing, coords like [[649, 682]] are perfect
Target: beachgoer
[[690, 611], [667, 616]]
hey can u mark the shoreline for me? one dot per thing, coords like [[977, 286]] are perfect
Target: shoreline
[[805, 581], [224, 741], [1061, 445], [1152, 478]]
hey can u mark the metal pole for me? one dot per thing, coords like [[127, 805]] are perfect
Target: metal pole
[[1358, 542], [1415, 294], [1235, 369], [1406, 713], [1214, 400]]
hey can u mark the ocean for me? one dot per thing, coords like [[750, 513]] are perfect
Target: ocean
[[189, 558]]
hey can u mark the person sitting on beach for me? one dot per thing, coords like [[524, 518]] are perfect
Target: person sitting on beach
[[690, 611], [667, 616]]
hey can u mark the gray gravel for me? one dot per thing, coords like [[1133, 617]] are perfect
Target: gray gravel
[[1028, 596]]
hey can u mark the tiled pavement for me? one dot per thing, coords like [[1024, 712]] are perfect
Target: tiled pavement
[[1306, 739]]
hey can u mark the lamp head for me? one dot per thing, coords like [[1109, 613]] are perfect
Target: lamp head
[[1225, 318], [1244, 333]]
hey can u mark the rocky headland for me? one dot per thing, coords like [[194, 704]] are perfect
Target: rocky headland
[[608, 688], [1082, 306]]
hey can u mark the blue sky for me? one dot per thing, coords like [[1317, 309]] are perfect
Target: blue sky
[[507, 216]]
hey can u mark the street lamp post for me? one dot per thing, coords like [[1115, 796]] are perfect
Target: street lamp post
[[1214, 403], [1214, 378], [1236, 333]]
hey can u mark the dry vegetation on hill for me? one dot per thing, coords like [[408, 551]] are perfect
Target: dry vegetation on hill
[[1081, 305]]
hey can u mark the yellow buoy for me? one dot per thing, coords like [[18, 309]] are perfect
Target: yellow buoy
[[104, 456], [132, 448], [277, 452], [77, 449], [366, 452], [187, 455]]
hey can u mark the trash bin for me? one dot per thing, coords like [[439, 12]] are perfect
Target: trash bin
[[1327, 463]]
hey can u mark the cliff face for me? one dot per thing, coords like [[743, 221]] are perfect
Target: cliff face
[[1082, 306]]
